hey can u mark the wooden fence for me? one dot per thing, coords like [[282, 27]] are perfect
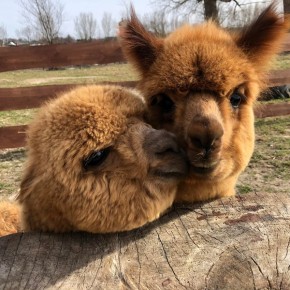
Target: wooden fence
[[99, 52]]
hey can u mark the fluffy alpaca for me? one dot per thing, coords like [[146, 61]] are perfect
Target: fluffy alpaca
[[201, 83], [94, 165]]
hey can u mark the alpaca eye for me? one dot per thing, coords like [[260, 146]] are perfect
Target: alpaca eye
[[163, 102], [96, 158], [235, 100]]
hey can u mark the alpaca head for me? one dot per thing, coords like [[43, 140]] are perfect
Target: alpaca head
[[95, 165], [201, 83]]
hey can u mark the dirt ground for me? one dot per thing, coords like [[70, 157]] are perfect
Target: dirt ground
[[268, 171]]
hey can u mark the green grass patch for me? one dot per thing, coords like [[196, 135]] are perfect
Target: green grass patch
[[281, 62], [269, 168], [16, 117], [243, 189], [86, 75]]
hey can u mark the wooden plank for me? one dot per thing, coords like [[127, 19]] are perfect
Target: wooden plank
[[279, 77], [28, 97], [33, 97], [240, 242], [286, 45], [12, 137], [271, 110], [58, 55]]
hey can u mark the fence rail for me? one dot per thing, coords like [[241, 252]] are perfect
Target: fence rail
[[59, 55], [97, 52]]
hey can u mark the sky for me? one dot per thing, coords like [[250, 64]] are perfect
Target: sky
[[11, 19]]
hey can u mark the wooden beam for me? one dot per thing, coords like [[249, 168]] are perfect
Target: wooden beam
[[29, 97], [58, 55], [232, 243], [33, 97], [12, 137], [272, 110], [279, 77]]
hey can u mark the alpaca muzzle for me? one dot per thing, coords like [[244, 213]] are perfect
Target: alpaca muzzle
[[166, 157], [204, 138]]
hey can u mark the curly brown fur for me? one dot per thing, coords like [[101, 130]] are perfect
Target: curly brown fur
[[9, 218], [201, 83], [94, 165]]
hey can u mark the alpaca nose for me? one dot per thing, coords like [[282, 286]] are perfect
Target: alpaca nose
[[205, 134], [165, 157], [161, 142]]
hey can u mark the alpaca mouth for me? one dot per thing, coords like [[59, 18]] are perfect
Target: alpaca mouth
[[177, 168]]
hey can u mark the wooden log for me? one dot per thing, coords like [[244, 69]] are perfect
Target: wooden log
[[235, 243]]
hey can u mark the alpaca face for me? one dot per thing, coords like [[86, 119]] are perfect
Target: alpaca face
[[95, 165], [201, 83]]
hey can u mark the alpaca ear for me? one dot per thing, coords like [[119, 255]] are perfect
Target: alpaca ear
[[262, 39], [139, 46]]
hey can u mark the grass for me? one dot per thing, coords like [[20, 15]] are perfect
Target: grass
[[88, 75], [269, 169], [243, 189], [16, 117], [282, 62]]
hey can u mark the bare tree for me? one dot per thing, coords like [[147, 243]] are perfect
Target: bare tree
[[108, 24], [85, 26], [232, 17], [156, 22], [3, 34], [44, 16], [26, 33], [208, 7], [286, 6], [161, 23]]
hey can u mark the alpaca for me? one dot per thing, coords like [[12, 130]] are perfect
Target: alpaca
[[94, 165], [201, 83]]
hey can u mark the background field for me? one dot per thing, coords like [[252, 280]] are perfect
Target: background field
[[269, 170]]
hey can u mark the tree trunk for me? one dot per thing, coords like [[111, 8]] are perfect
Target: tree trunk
[[236, 243], [211, 10], [286, 6]]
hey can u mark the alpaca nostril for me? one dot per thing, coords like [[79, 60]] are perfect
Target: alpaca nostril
[[205, 143], [196, 142], [205, 134]]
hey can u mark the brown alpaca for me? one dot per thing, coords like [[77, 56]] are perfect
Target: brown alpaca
[[94, 165], [201, 83]]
